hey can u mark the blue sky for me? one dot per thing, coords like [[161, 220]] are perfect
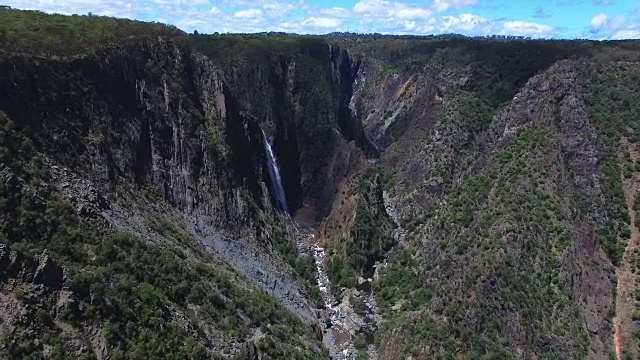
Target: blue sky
[[594, 19]]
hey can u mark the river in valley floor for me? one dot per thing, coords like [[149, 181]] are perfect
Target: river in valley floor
[[350, 316], [344, 323]]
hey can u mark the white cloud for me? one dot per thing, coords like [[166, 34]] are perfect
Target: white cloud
[[387, 16], [278, 8], [524, 28], [383, 16], [322, 23], [314, 16], [390, 10], [617, 28], [444, 5], [68, 6], [235, 3], [599, 21], [118, 8], [248, 14], [182, 2], [190, 24], [466, 23], [312, 25], [626, 34], [336, 12], [617, 23]]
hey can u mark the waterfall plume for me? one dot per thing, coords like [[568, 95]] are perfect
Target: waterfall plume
[[274, 176]]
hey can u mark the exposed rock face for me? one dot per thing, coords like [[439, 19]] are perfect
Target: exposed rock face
[[252, 351], [48, 273], [170, 120], [586, 266], [310, 130], [40, 270], [29, 286]]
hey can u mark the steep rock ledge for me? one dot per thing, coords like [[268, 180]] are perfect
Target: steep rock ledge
[[302, 103], [157, 115]]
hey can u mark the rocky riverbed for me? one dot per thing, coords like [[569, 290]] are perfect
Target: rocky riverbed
[[343, 322], [352, 313]]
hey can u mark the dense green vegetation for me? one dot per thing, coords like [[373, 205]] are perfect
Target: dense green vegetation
[[231, 48], [614, 111], [35, 32], [371, 234], [486, 258], [470, 241], [371, 231], [305, 267]]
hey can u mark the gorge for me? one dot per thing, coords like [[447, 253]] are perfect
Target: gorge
[[271, 196]]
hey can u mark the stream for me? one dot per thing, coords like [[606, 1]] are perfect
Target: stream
[[337, 336], [343, 322]]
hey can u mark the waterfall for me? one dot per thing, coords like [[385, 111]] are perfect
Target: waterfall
[[274, 175]]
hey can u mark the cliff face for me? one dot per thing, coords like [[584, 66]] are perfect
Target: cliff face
[[141, 114], [302, 100], [157, 114], [163, 143]]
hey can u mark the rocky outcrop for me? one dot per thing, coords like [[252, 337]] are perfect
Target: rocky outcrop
[[253, 353], [258, 267], [34, 290], [553, 98], [40, 270]]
